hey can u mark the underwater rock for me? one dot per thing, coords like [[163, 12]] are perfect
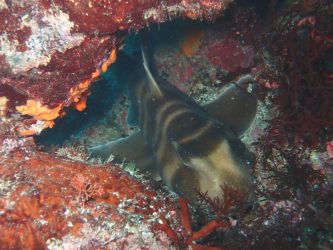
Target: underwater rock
[[49, 202], [229, 54], [200, 56], [51, 51]]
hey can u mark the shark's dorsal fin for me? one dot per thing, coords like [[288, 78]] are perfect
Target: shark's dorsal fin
[[235, 107], [154, 88]]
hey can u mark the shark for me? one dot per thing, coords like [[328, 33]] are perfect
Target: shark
[[192, 148]]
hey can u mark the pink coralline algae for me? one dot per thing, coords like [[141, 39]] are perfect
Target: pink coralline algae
[[229, 54]]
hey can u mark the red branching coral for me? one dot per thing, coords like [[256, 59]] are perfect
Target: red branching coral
[[188, 239]]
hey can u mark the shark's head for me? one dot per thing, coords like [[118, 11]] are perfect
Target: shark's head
[[207, 164]]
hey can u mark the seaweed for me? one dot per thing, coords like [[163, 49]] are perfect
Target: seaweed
[[300, 44]]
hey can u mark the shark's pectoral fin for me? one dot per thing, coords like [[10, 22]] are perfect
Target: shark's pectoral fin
[[131, 148], [235, 107]]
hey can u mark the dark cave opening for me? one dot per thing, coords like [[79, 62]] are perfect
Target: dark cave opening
[[108, 89]]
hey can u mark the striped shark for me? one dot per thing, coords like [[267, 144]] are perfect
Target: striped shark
[[192, 148]]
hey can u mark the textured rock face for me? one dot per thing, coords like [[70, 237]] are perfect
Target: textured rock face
[[51, 51], [48, 202]]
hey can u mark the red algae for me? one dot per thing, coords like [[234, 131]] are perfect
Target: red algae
[[42, 202], [229, 54], [50, 47], [12, 25]]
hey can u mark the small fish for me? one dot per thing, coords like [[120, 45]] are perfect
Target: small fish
[[192, 148]]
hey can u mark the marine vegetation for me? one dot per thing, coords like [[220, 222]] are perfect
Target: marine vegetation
[[299, 41], [218, 136]]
